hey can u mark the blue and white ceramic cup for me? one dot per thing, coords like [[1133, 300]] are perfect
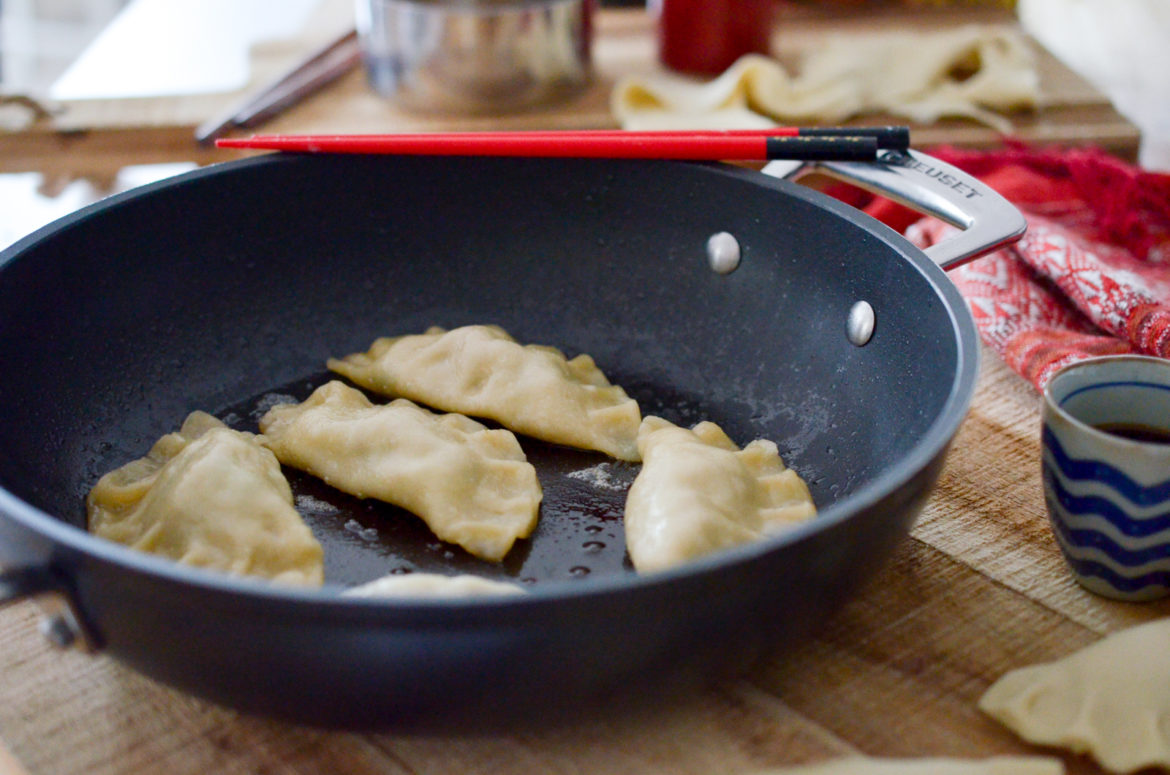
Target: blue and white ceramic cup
[[1106, 468]]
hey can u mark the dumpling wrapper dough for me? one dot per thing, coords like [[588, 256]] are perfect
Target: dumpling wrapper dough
[[1110, 699], [995, 765], [210, 497], [970, 71], [471, 485], [483, 372], [433, 585], [698, 493]]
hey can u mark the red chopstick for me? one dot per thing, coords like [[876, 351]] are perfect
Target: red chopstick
[[741, 145]]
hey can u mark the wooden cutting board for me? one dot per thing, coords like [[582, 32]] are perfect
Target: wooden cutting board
[[96, 138], [979, 588]]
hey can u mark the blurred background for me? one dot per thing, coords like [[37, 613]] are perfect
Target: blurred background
[[39, 39], [1118, 47]]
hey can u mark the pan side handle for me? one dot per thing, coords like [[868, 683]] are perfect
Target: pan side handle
[[60, 623], [933, 187]]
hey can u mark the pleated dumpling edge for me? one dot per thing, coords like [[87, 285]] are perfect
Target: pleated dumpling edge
[[471, 484], [698, 492], [211, 497], [1110, 699], [481, 371]]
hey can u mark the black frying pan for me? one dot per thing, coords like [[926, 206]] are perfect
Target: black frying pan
[[217, 288]]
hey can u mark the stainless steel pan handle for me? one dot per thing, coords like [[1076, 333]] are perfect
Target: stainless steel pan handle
[[60, 622], [933, 187]]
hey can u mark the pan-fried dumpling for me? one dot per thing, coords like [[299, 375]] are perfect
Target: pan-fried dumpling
[[471, 485], [211, 497], [698, 492], [483, 372], [1110, 699], [433, 585], [995, 765]]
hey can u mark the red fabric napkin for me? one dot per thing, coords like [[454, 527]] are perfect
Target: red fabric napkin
[[1091, 276]]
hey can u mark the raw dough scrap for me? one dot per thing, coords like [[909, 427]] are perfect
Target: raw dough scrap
[[483, 372], [471, 485], [1110, 699], [211, 497], [698, 492], [432, 585], [995, 765], [971, 72]]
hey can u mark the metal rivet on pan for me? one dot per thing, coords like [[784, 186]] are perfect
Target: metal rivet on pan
[[723, 252], [59, 631], [859, 327]]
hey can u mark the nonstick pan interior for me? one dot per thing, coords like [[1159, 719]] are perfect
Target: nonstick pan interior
[[229, 287], [215, 292]]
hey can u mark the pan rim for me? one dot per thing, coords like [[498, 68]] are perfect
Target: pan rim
[[928, 447]]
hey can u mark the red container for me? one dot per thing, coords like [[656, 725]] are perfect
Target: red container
[[704, 37]]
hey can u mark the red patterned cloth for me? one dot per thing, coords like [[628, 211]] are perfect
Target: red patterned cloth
[[1091, 276]]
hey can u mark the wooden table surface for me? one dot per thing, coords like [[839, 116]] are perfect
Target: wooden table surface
[[979, 587]]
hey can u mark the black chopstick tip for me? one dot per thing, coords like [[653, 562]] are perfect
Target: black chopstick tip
[[822, 148], [894, 138]]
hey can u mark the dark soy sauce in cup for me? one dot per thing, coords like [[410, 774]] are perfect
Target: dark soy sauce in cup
[[1149, 434]]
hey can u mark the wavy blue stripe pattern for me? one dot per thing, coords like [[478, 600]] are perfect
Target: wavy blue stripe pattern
[[1075, 469], [1130, 383], [1107, 509], [1125, 584], [1093, 539]]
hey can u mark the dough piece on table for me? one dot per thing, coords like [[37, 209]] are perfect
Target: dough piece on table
[[211, 497], [471, 485], [971, 71], [1110, 699], [995, 765], [698, 492], [483, 372], [432, 585]]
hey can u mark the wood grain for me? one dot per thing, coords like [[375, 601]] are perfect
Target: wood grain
[[977, 589], [988, 509]]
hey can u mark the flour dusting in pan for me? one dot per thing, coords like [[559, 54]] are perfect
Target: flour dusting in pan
[[601, 476]]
